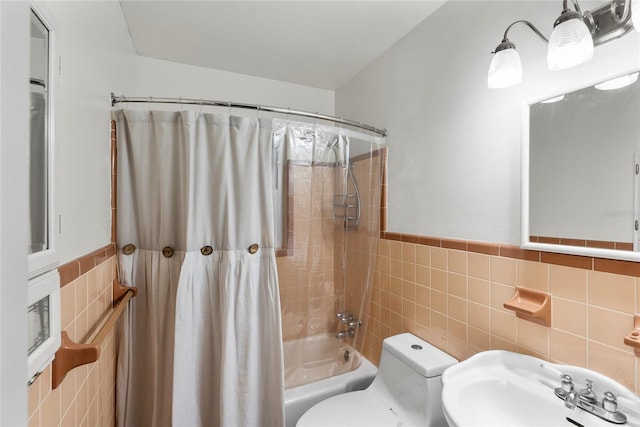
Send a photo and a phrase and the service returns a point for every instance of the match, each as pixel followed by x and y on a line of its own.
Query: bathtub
pixel 319 367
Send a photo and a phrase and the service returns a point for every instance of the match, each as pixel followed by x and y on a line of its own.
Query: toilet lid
pixel 358 408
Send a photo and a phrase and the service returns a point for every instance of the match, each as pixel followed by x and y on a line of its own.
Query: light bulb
pixel 505 69
pixel 570 44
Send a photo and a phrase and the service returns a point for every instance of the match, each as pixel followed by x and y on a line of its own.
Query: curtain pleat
pixel 201 343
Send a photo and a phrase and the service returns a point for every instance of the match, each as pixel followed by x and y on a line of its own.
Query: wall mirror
pixel 41 245
pixel 581 170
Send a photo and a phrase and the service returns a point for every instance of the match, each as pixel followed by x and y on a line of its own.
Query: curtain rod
pixel 117 99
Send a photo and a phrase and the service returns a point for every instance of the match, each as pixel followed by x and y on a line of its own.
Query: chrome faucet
pixel 587 395
pixel 352 323
pixel 587 400
pixel 348 333
pixel 566 392
pixel 570 399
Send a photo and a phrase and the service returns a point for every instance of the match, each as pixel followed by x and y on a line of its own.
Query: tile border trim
pixel 627 268
pixel 79 266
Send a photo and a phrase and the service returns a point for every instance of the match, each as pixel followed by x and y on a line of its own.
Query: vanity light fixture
pixel 575 33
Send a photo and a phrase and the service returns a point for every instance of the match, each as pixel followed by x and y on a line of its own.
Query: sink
pixel 502 388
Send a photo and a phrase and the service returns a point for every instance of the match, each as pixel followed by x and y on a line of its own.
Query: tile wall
pixel 453 299
pixel 361 242
pixel 312 288
pixel 86 396
pixel 451 294
pixel 306 273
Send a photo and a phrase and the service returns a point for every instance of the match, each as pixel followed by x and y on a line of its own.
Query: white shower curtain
pixel 201 343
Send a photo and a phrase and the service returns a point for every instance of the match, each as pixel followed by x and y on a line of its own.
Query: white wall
pixel 97 57
pixel 454 145
pixel 14 156
pixel 161 78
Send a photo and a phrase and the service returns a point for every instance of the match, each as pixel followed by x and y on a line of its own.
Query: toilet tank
pixel 409 379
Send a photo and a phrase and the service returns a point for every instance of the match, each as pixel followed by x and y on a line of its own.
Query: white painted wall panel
pixel 14 159
pixel 170 79
pixel 97 57
pixel 454 145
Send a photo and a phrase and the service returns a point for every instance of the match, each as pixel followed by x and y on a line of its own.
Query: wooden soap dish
pixel 534 306
pixel 633 339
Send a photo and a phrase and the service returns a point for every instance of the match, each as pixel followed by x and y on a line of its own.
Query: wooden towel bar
pixel 70 355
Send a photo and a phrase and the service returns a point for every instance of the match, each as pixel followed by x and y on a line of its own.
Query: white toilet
pixel 406 391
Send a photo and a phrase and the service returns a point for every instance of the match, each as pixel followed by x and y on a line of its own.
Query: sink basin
pixel 502 388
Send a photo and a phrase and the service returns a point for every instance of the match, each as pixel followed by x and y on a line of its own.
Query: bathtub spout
pixel 344 334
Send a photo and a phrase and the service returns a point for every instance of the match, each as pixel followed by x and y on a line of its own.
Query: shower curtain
pixel 201 343
pixel 328 266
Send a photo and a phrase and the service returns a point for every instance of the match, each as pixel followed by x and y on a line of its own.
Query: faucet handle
pixel 353 322
pixel 567 382
pixel 343 315
pixel 609 402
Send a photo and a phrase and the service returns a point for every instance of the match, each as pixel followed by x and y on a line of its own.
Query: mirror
pixel 581 165
pixel 41 237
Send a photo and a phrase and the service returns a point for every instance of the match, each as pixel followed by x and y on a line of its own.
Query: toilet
pixel 406 391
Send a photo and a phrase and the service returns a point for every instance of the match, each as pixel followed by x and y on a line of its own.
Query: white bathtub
pixel 316 369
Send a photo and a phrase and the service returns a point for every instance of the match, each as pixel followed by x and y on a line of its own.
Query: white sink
pixel 502 388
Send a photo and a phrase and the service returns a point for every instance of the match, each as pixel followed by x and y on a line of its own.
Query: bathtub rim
pixel 300 399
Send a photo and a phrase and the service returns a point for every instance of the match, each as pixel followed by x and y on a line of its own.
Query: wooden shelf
pixel 534 306
pixel 633 339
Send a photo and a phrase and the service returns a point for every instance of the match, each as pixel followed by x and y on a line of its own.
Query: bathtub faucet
pixel 350 321
pixel 348 333
pixel 342 315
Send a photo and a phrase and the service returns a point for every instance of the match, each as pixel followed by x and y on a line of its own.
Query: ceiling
pixel 321 44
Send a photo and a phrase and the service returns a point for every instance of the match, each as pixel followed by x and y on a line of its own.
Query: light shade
pixel 570 44
pixel 635 14
pixel 619 82
pixel 553 100
pixel 505 69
